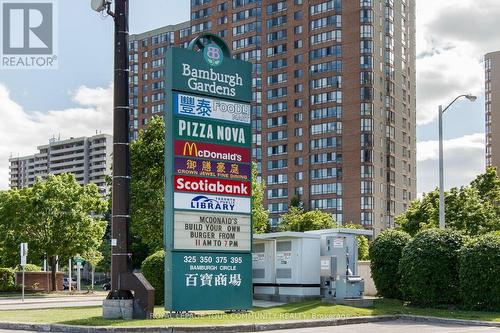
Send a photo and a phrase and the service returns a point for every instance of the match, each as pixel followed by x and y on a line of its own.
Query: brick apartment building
pixel 333 112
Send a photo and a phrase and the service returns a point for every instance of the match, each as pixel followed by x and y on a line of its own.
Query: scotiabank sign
pixel 212 185
pixel 211 151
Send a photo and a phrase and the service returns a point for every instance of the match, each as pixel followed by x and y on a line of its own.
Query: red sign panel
pixel 211 151
pixel 212 185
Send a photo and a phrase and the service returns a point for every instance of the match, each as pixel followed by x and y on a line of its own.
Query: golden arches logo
pixel 190 148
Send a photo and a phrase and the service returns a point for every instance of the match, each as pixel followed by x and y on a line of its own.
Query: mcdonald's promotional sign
pixel 207 218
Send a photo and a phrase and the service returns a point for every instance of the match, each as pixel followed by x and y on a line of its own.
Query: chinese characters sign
pixel 208 225
pixel 205 107
pixel 218 278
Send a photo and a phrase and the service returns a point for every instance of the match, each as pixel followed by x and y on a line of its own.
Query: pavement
pixel 396 326
pixel 60 301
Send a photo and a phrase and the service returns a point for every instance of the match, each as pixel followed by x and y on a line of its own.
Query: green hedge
pixel 385 253
pixel 153 268
pixel 429 268
pixel 29 268
pixel 7 279
pixel 480 273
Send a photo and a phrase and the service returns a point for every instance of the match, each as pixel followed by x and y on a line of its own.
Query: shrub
pixel 429 268
pixel 29 268
pixel 385 253
pixel 153 268
pixel 7 279
pixel 480 272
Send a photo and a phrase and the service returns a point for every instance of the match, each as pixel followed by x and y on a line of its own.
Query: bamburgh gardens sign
pixel 208 224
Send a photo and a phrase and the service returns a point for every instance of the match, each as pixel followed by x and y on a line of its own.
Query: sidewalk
pixel 45 302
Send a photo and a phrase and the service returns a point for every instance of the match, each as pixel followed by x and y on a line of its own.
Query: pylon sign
pixel 207 220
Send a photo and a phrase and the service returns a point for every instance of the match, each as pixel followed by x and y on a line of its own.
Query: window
pixel 326 6
pixel 278 135
pixel 366 31
pixel 333 66
pixel 332 81
pixel 332 188
pixel 330 127
pixel 327 97
pixel 277 164
pixel 328 36
pixel 331 142
pixel 334 50
pixel 333 20
pixel 325 173
pixel 298 146
pixel 276 21
pixel 276 93
pixel 276 7
pixel 335 111
pixel 277 107
pixel 277 179
pixel 297 30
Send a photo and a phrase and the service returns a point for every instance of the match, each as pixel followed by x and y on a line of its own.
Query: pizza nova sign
pixel 208 224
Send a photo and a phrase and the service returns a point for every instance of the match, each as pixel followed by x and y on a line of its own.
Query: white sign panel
pixel 211 108
pixel 211 203
pixel 338 243
pixel 211 231
pixel 24 253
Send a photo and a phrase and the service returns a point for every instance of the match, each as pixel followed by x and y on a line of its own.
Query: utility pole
pixel 120 256
pixel 123 280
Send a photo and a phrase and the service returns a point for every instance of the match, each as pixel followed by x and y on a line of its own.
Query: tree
pixel 488 187
pixel 298 220
pixel 93 257
pixel 363 252
pixel 56 217
pixel 147 186
pixel 465 210
pixel 260 215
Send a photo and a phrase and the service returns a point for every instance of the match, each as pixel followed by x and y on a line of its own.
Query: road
pixel 396 326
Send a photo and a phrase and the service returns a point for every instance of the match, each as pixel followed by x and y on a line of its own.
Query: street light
pixel 471 98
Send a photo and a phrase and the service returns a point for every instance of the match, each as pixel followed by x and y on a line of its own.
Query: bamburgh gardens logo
pixel 213 54
pixel 28 34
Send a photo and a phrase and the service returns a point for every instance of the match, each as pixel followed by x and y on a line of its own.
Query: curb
pixel 449 321
pixel 241 327
pixel 192 329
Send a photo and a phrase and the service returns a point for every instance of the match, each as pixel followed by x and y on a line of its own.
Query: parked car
pixel 66 283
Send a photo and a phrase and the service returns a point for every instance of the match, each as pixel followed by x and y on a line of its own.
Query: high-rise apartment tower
pixel 334 112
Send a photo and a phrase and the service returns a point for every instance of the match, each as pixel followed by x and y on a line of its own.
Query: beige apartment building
pixel 88 158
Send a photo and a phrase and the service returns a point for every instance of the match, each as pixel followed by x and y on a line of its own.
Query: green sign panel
pixel 230 79
pixel 210 281
pixel 189 128
pixel 208 264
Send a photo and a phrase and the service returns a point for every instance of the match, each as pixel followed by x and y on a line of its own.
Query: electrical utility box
pixel 263 266
pixel 339 263
pixel 296 266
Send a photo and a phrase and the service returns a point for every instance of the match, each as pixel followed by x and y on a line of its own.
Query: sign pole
pixel 24 257
pixel 69 275
pixel 23 285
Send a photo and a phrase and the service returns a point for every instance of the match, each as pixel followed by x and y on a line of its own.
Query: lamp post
pixel 441 169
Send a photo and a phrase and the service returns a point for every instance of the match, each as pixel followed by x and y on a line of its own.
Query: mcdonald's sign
pixel 211 151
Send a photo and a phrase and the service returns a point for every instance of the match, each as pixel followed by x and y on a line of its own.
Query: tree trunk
pixel 53 264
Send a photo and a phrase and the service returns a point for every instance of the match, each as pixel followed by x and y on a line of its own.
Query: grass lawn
pixel 294 311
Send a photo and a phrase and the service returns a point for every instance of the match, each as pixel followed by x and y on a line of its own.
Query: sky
pixel 76 99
